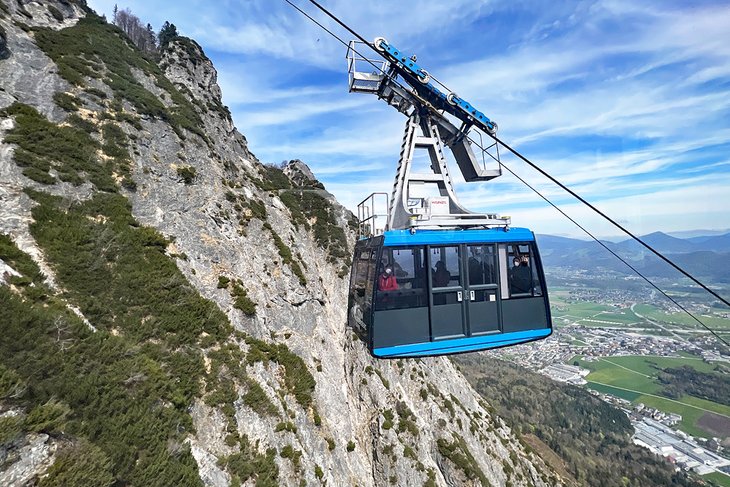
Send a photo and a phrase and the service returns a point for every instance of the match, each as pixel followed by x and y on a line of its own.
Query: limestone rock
pixel 24 463
pixel 371 423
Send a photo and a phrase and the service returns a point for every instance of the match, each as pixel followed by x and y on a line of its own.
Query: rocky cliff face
pixel 288 395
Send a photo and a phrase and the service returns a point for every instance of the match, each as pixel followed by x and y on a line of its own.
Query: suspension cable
pixel 555 181
pixel 549 177
pixel 602 244
pixel 611 220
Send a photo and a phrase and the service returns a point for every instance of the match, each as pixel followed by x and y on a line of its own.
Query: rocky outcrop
pixel 369 422
pixel 187 66
pixel 26 459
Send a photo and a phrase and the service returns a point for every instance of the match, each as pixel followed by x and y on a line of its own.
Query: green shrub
pixel 241 300
pixel 257 399
pixel 459 454
pixel 96 92
pixel 11 428
pixel 256 209
pixel 83 124
pixel 48 418
pixel 406 419
pixel 11 384
pixel 115 141
pixel 388 423
pixel 68 102
pixel 409 452
pixel 450 408
pixel 297 378
pixel 43 145
pixel 292 454
pixel 249 463
pixel 186 174
pixel 81 464
pixel 273 178
pixel 384 381
pixel 286 426
pixel 22 263
pixel 350 446
pixel 286 255
pixel 431 481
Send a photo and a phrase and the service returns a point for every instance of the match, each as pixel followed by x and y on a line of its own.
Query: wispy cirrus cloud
pixel 628 103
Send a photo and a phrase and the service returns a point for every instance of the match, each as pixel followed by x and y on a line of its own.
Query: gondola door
pixel 447 292
pixel 482 291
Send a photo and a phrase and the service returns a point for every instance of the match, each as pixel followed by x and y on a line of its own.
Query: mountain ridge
pixel 181 304
pixel 705 256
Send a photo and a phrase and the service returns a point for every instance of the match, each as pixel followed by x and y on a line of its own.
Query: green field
pixel 592 314
pixel 681 319
pixel 718 478
pixel 633 378
pixel 648 364
pixel 623 394
pixel 565 310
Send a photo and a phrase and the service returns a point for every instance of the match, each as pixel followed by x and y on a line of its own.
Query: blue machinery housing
pixel 439 292
pixel 419 79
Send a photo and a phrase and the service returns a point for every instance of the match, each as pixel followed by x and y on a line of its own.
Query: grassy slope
pixel 120 397
pixel 721 479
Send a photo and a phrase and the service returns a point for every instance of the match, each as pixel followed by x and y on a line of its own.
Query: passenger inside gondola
pixel 520 277
pixel 387 280
pixel 441 275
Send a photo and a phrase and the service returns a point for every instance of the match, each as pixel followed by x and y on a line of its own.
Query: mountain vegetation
pixel 171 308
pixel 680 381
pixel 117 393
pixel 587 438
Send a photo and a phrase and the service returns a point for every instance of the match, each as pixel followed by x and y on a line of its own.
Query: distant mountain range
pixel 705 256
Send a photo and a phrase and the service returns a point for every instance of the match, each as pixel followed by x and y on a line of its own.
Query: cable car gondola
pixel 457 291
pixel 421 98
pixel 437 278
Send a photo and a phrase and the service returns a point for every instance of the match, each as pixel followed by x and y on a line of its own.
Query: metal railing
pixel 372 219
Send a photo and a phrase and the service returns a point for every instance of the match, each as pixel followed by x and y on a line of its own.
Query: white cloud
pixel 626 102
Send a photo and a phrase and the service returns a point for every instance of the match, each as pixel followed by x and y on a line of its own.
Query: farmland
pixel 634 378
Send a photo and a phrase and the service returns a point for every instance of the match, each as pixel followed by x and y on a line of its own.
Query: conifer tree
pixel 167 33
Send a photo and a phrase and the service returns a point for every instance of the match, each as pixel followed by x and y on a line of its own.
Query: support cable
pixel 612 221
pixel 552 179
pixel 602 244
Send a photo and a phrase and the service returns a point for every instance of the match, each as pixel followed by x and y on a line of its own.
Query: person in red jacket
pixel 386 281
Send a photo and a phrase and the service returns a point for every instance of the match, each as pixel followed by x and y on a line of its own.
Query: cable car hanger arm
pixel 420 80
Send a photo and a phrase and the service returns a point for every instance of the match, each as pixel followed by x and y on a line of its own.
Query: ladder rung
pixel 425 177
pixel 425 141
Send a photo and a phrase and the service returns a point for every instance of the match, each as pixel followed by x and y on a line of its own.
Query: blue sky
pixel 626 102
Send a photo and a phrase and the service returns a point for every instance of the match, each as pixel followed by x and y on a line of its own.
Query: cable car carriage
pixel 430 277
pixel 456 291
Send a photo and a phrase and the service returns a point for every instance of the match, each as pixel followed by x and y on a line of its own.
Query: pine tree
pixel 167 33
